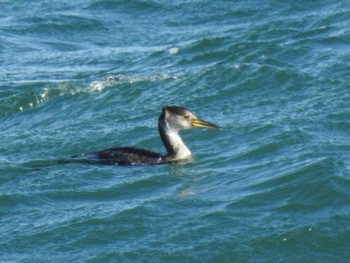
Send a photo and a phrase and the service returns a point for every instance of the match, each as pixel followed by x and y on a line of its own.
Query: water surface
pixel 80 76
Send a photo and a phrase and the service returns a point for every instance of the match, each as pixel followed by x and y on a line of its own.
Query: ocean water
pixel 79 76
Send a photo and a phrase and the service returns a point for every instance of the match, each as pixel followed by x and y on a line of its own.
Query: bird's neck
pixel 176 149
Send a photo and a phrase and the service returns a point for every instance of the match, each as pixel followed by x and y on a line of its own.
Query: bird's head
pixel 179 118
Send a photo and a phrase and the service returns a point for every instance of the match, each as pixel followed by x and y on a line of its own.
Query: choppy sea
pixel 80 76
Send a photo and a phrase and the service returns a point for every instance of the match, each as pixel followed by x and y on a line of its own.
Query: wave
pixel 113 80
pixel 39 93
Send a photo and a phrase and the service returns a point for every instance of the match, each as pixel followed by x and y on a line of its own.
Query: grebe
pixel 171 121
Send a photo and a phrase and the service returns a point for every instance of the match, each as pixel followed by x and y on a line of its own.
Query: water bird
pixel 172 120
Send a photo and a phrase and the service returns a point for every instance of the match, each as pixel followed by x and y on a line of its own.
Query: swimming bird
pixel 172 120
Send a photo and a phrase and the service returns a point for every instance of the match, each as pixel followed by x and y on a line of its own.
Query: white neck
pixel 179 148
pixel 176 149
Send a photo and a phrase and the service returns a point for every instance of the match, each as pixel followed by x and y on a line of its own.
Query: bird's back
pixel 123 156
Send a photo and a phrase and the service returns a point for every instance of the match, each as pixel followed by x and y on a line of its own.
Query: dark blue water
pixel 80 76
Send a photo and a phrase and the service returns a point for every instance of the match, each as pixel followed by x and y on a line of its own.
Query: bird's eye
pixel 186 117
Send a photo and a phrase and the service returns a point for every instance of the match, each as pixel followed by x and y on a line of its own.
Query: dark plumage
pixel 128 155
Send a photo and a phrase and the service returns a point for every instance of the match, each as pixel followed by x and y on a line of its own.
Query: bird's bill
pixel 198 123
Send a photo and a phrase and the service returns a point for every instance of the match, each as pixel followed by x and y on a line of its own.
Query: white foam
pixel 113 80
pixel 173 50
pixel 44 94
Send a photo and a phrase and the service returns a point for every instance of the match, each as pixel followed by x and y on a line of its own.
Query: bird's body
pixel 124 156
pixel 171 121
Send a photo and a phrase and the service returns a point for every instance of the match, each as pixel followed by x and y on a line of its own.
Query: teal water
pixel 79 76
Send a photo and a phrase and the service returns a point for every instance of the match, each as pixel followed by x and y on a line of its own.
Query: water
pixel 79 76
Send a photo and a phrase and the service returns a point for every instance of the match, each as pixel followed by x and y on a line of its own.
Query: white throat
pixel 180 149
pixel 176 149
